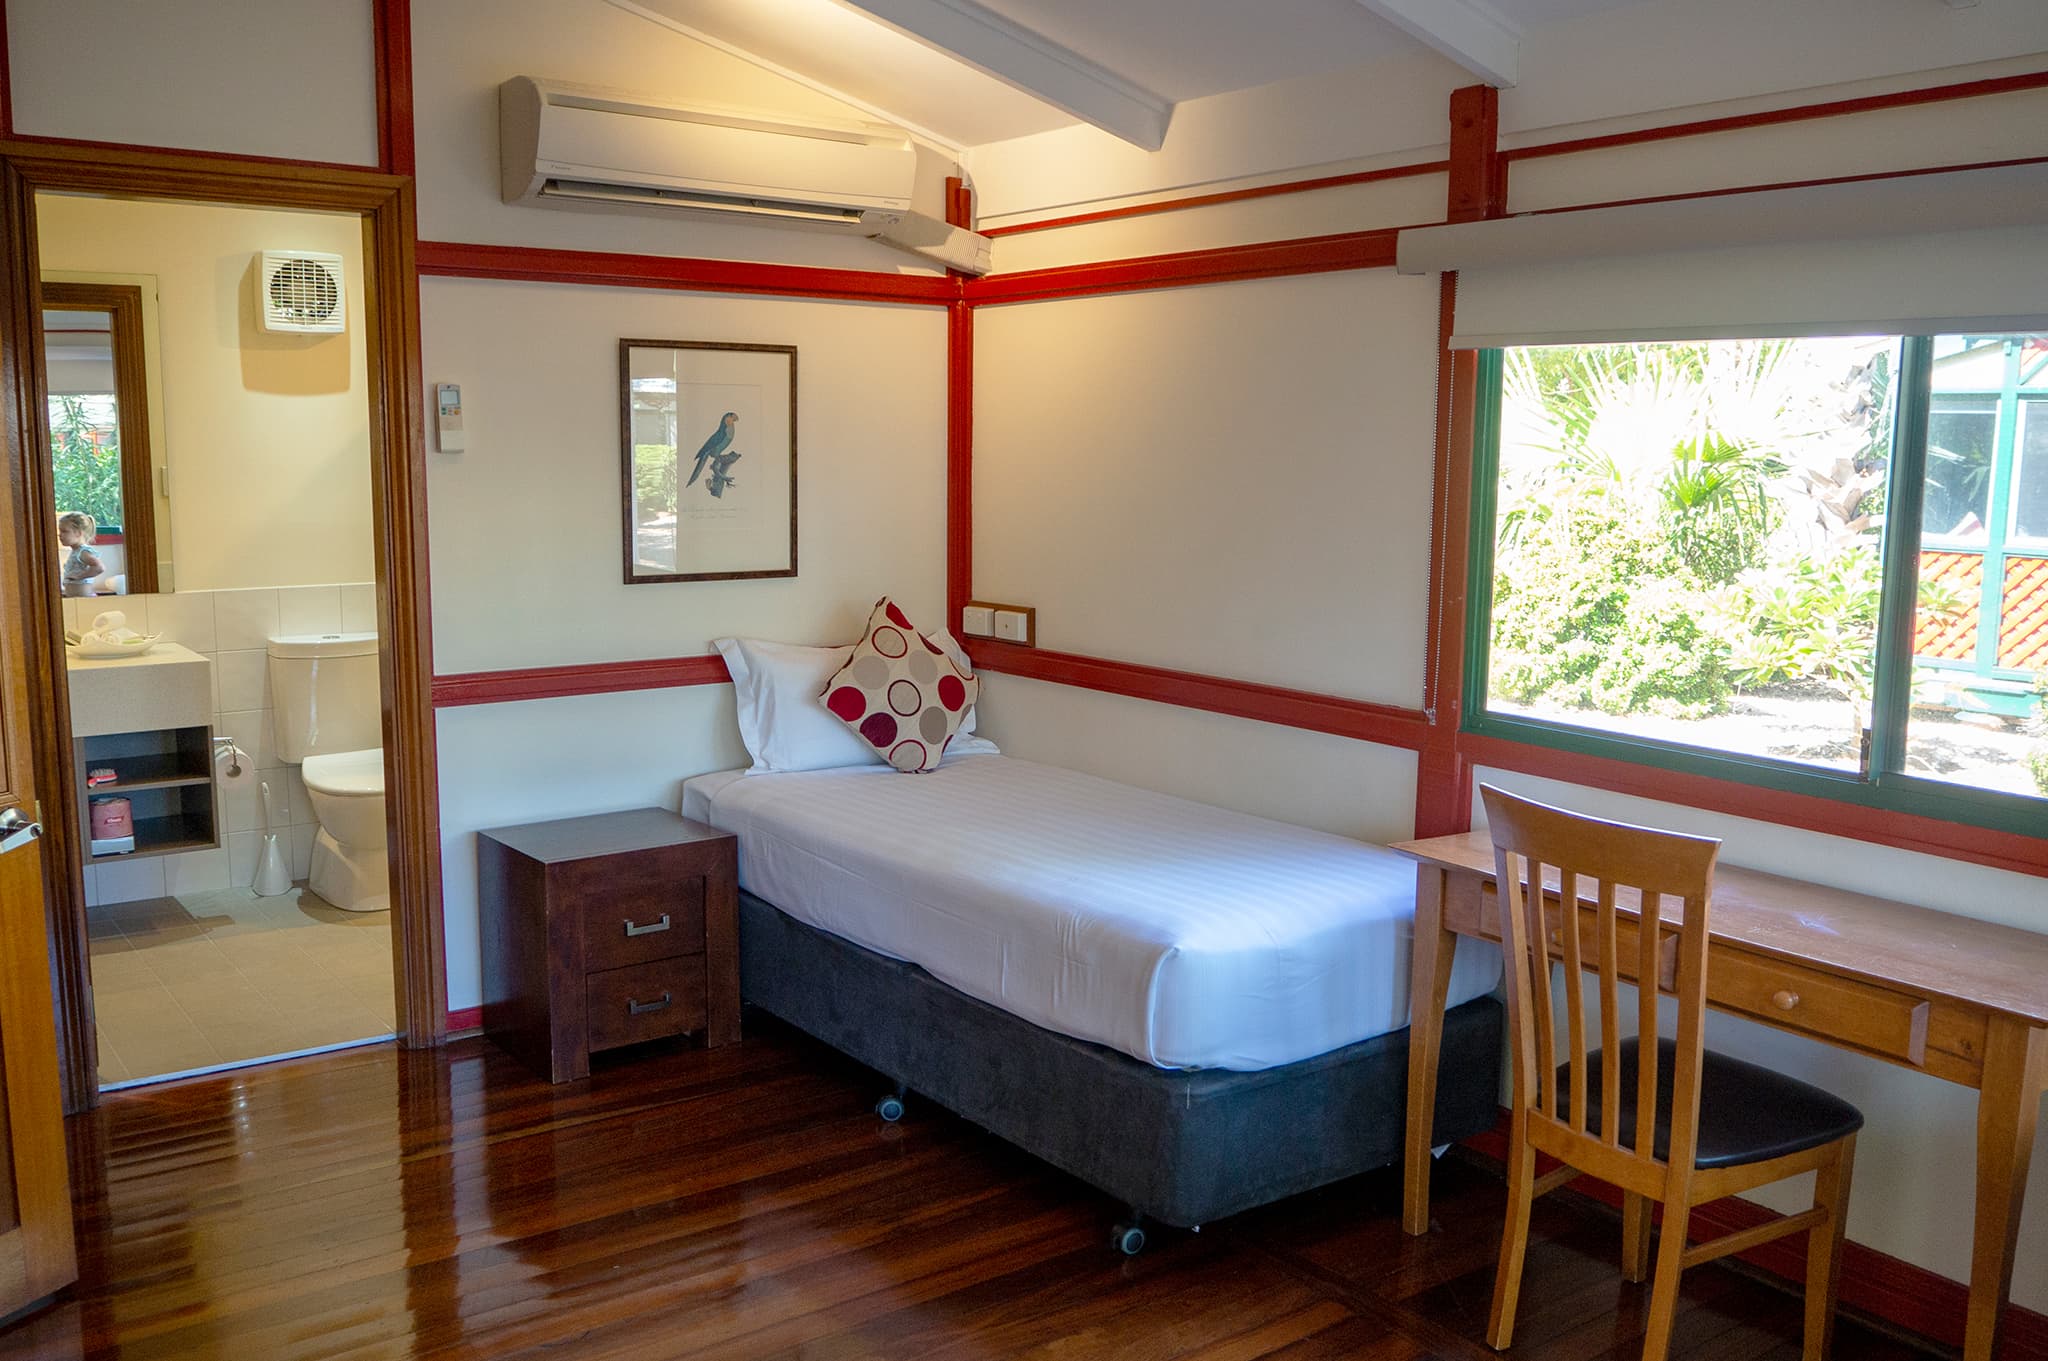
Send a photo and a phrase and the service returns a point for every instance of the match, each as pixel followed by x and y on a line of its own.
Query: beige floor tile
pixel 164 1043
pixel 337 1027
pixel 224 1001
pixel 183 960
pixel 116 944
pixel 123 971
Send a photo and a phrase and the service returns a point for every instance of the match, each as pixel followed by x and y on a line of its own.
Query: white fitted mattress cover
pixel 1183 934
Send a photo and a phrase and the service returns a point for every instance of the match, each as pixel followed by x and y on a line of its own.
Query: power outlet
pixel 978 621
pixel 1013 626
pixel 1005 623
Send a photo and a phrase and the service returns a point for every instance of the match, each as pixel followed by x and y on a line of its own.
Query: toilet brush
pixel 272 875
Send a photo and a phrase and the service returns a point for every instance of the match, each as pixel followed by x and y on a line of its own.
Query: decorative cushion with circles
pixel 900 692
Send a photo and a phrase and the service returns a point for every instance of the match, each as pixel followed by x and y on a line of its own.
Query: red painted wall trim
pixel 536 265
pixel 1808 812
pixel 588 678
pixel 394 86
pixel 1873 1283
pixel 1798 113
pixel 1174 205
pixel 1265 260
pixel 466 1021
pixel 959 460
pixel 1382 723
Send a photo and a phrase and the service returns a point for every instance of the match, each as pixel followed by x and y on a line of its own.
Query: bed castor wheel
pixel 1128 1239
pixel 890 1107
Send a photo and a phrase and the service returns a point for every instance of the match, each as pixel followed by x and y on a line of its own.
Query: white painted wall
pixel 1232 479
pixel 267 436
pixel 290 78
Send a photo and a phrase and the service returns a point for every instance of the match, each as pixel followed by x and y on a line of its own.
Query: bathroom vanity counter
pixel 169 686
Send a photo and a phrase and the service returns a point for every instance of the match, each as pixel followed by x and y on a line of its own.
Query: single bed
pixel 1196 1010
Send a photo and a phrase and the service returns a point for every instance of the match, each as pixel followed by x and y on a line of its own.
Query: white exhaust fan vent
pixel 301 292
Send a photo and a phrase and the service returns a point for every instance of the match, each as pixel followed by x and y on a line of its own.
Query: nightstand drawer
pixel 642 917
pixel 645 1002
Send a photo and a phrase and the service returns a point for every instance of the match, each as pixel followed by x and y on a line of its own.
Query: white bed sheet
pixel 1185 935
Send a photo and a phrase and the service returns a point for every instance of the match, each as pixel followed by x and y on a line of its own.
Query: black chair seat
pixel 1747 1114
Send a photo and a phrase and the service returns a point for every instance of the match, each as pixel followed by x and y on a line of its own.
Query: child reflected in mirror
pixel 75 530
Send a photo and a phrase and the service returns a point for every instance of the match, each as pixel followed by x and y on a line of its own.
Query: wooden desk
pixel 1963 1000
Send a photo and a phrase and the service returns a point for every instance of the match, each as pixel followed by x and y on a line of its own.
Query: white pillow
pixel 784 723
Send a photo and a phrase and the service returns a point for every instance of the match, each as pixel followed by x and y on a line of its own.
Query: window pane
pixel 2030 484
pixel 1981 641
pixel 1687 544
pixel 1960 438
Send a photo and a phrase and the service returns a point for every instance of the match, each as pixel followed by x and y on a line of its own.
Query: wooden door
pixel 36 1251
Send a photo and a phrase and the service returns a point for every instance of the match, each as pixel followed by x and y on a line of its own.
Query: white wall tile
pixel 243 848
pixel 244 619
pixel 196 871
pixel 359 608
pixel 302 851
pixel 92 885
pixel 187 619
pixel 251 730
pixel 244 679
pixel 241 805
pixel 301 804
pixel 309 609
pixel 125 881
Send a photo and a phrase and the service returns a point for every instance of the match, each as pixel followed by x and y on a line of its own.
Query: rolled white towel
pixel 109 621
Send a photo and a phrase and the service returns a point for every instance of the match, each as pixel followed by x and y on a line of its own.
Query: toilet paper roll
pixel 236 773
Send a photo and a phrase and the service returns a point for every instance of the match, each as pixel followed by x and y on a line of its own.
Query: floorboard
pixel 744 1204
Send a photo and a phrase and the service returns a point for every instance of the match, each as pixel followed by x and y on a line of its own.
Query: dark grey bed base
pixel 1185 1147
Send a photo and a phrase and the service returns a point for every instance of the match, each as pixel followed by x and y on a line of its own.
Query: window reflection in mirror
pixel 100 464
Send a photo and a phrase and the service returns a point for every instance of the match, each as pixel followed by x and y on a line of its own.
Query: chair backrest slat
pixel 1606 856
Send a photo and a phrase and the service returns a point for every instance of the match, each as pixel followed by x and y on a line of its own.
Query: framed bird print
pixel 708 437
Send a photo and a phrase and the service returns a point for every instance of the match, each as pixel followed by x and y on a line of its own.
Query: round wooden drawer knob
pixel 1785 999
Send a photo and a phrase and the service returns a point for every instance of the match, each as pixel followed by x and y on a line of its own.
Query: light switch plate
pixel 978 621
pixel 1012 626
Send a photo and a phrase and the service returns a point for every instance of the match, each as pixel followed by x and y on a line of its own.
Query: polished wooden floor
pixel 744 1203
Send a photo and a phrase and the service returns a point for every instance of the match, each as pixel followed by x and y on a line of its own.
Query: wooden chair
pixel 1666 1122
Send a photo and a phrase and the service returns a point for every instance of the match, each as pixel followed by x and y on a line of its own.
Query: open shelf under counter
pixel 167 777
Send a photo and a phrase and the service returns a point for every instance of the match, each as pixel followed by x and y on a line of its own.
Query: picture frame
pixel 708 441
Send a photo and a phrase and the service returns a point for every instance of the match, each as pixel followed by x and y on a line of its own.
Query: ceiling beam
pixel 1469 34
pixel 1025 61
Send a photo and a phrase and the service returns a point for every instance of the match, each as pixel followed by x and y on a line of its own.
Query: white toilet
pixel 328 720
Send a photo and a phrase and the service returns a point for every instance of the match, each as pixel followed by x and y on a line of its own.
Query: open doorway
pixel 218 580
pixel 201 724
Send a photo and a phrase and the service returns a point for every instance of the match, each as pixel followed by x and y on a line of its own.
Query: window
pixel 1817 563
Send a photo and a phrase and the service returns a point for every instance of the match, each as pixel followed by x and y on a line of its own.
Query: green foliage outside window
pixel 654 479
pixel 85 456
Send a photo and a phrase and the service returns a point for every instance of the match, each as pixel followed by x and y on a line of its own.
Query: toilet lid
pixel 345 772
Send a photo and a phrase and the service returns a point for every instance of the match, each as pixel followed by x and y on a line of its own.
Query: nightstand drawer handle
pixel 633 928
pixel 634 1008
pixel 1785 999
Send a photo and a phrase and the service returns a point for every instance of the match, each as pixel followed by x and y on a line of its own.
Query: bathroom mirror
pixel 98 404
pixel 708 436
pixel 214 437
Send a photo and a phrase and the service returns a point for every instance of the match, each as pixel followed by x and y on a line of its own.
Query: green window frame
pixel 1883 782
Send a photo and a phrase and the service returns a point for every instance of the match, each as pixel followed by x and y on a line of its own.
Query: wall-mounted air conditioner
pixel 564 145
pixel 300 291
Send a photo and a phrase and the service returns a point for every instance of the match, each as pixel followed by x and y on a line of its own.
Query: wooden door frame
pixel 398 490
pixel 123 305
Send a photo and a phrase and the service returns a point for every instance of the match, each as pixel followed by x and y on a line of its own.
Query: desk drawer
pixel 641 918
pixel 645 1002
pixel 1839 1010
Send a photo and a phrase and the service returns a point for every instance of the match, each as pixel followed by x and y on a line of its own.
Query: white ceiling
pixel 1177 49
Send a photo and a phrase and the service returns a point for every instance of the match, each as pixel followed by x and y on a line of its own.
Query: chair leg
pixel 1824 1250
pixel 1514 1240
pixel 1664 1290
pixel 1635 1237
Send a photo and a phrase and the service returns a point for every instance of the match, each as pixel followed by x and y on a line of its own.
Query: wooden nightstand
pixel 607 930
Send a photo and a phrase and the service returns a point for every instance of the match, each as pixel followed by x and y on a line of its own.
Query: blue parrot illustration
pixel 721 474
pixel 714 446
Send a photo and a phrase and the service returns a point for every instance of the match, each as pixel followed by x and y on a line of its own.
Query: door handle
pixel 16 829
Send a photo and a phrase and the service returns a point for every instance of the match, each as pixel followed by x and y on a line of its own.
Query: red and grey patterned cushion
pixel 900 692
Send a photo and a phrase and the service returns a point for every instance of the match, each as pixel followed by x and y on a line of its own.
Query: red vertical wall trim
pixel 1478 189
pixel 393 20
pixel 959 428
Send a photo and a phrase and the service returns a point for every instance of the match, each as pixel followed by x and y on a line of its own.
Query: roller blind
pixel 1957 251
